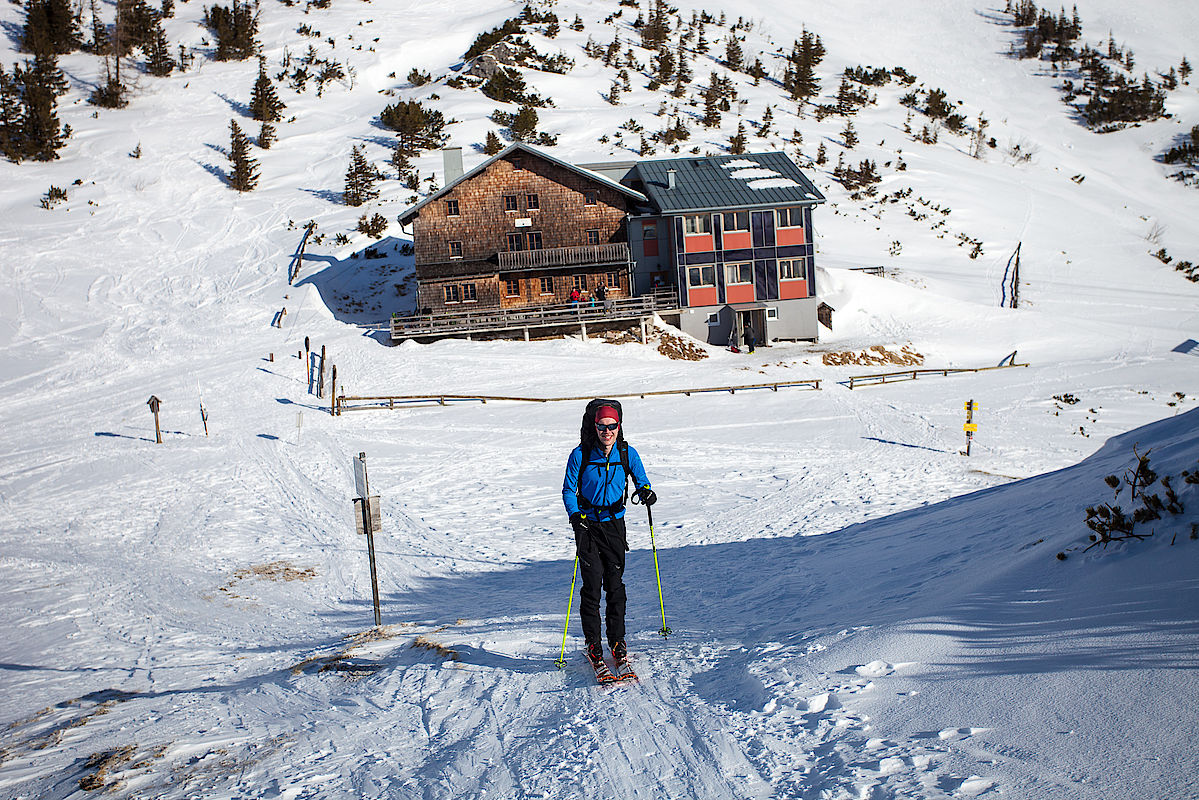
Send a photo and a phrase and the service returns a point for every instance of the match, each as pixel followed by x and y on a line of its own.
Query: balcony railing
pixel 614 253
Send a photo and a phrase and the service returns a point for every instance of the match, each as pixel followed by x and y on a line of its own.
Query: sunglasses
pixel 599 426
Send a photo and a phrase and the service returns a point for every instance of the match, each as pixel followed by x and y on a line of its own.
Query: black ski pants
pixel 601 549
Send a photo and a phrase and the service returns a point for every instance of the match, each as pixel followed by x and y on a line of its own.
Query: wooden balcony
pixel 525 320
pixel 589 255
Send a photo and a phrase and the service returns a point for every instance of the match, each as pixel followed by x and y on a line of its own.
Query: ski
pixel 624 671
pixel 603 675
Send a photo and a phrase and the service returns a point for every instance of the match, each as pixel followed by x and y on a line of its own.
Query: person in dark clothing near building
pixel 750 339
pixel 594 492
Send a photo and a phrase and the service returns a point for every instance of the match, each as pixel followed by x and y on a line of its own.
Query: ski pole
pixel 561 662
pixel 665 630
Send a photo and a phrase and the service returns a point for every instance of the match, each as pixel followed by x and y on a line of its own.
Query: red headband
pixel 607 411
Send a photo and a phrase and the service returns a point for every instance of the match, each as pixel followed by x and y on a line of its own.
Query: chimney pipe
pixel 451 160
pixel 670 179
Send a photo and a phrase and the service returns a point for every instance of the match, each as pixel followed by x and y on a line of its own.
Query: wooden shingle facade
pixel 521 229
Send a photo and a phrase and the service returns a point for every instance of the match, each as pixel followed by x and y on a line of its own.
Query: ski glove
pixel 647 496
pixel 578 522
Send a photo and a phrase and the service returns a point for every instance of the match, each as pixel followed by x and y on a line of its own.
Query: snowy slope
pixel 858 610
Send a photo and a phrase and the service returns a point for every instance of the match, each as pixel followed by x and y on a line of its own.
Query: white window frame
pixel 778 222
pixel 734 214
pixel 739 266
pixel 772 312
pixel 802 261
pixel 701 269
pixel 697 224
pixel 713 318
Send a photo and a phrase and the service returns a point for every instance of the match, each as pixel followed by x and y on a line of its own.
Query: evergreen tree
pixel 360 178
pixel 236 29
pixel 757 71
pixel 712 100
pixel 112 93
pixel 50 27
pixel 524 124
pixel 665 70
pixel 493 144
pixel 737 142
pixel 265 105
pixel 767 120
pixel 41 85
pixel 849 135
pixel 158 53
pixel 733 56
pixel 417 127
pixel 266 136
pixel 101 45
pixel 12 118
pixel 243 173
pixel 656 29
pixel 800 76
pixel 1184 70
pixel 822 154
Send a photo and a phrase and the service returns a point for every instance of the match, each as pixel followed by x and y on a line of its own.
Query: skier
pixel 594 491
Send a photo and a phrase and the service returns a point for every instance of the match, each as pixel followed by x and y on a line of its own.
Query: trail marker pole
pixel 368 520
pixel 204 417
pixel 971 426
pixel 154 403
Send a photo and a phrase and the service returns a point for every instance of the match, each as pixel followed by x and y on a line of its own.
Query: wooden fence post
pixel 320 375
pixel 154 403
pixel 333 393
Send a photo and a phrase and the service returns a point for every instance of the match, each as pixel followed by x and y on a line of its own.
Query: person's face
pixel 606 437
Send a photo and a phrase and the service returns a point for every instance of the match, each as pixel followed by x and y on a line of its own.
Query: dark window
pixel 701 276
pixel 452 295
pixel 593 237
pixel 590 197
pixel 516 241
pixel 533 239
pixel 451 208
pixel 455 249
pixel 613 280
pixel 468 293
pixel 512 287
pixel 511 203
pixel 547 285
pixel 736 221
pixel 517 164
pixel 649 230
pixel 531 202
pixel 790 217
pixel 579 282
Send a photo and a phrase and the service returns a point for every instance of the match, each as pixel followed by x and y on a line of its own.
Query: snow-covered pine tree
pixel 243 172
pixel 101 44
pixel 265 105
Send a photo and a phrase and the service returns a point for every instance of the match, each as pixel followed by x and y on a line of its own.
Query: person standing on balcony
pixel 575 295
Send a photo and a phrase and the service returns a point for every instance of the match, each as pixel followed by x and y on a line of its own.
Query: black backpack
pixel 588 441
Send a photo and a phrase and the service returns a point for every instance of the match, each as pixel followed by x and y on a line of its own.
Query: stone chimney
pixel 451 159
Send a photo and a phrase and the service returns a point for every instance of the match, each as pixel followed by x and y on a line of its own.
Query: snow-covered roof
pixel 709 183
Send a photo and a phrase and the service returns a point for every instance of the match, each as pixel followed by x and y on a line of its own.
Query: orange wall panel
pixel 740 293
pixel 702 296
pixel 793 290
pixel 786 236
pixel 737 240
pixel 700 243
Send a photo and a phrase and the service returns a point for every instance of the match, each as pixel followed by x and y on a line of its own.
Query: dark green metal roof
pixel 711 183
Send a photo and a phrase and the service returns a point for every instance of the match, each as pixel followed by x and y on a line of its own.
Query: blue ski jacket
pixel 601 490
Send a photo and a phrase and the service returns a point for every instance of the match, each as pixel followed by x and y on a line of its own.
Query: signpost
pixel 971 426
pixel 368 519
pixel 154 403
